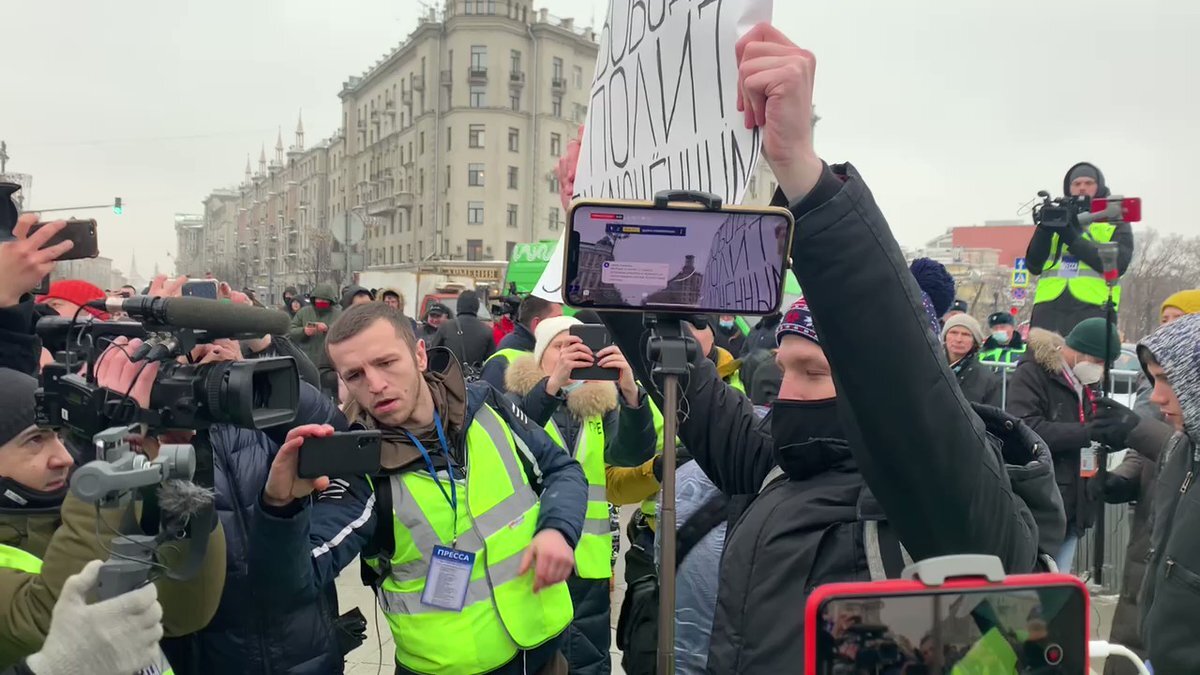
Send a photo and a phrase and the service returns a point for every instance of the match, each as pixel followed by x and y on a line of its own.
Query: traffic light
pixel 117 208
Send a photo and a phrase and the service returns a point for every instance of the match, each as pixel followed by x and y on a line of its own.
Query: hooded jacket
pixel 353 290
pixel 465 335
pixel 1171 595
pixel 587 644
pixel 994 493
pixel 314 345
pixel 1040 394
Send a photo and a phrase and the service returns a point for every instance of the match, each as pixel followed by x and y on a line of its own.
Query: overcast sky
pixel 955 113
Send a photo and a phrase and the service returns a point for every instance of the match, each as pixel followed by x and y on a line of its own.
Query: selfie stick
pixel 1108 260
pixel 671 350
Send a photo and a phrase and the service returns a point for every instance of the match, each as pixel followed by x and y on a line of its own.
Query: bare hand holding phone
pixel 26 260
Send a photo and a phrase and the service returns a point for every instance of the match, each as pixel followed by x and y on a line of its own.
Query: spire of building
pixel 300 131
pixel 248 173
pixel 262 161
pixel 279 147
pixel 135 279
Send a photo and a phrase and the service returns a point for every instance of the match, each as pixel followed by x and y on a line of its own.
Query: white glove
pixel 117 636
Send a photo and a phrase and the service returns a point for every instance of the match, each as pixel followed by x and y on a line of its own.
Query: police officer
pixel 1004 344
pixel 1071 286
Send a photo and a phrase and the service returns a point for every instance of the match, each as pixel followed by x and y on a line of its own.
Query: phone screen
pixel 646 259
pixel 205 288
pixel 1002 631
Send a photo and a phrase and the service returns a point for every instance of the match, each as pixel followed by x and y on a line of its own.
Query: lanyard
pixel 452 495
pixel 1087 399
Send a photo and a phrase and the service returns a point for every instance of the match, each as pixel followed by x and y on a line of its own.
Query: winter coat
pixel 1039 393
pixel 762 336
pixel 978 383
pixel 1133 481
pixel 250 634
pixel 521 339
pixel 587 644
pixel 314 345
pixel 29 598
pixel 20 347
pixel 282 345
pixel 1170 601
pixel 469 338
pixel 995 492
pixel 351 291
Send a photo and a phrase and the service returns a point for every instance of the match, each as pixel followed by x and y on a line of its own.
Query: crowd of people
pixel 809 455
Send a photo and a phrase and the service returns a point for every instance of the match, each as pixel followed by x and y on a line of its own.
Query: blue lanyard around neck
pixel 452 495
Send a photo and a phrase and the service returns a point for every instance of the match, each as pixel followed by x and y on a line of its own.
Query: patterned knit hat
pixel 78 292
pixel 797 321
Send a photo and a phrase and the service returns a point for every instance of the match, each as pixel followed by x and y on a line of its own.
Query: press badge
pixel 1069 268
pixel 448 578
pixel 1088 466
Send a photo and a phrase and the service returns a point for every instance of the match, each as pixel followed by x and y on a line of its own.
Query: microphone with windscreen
pixel 216 318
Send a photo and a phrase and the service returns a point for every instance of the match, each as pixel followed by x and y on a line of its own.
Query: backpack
pixel 637 625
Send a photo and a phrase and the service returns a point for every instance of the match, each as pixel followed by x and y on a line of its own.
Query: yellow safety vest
pixel 593 554
pixel 1086 284
pixel 507 354
pixel 496 519
pixel 22 561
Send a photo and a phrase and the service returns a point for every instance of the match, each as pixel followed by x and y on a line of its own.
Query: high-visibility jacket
pixel 1086 284
pixel 506 354
pixel 1003 354
pixel 593 554
pixel 496 519
pixel 22 561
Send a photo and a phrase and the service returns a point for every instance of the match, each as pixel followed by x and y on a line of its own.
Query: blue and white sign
pixel 1019 264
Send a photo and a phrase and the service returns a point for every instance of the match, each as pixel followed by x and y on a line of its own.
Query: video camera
pixel 1059 214
pixel 253 394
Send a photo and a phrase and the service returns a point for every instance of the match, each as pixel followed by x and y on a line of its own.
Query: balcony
pixel 446 78
pixel 362 125
pixel 404 200
pixel 384 206
pixel 477 75
pixel 516 78
pixel 406 97
pixel 418 83
pixel 558 85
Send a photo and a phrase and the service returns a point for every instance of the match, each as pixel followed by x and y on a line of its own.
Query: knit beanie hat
pixel 964 321
pixel 797 321
pixel 547 330
pixel 78 292
pixel 934 281
pixel 17 411
pixel 1187 302
pixel 1089 338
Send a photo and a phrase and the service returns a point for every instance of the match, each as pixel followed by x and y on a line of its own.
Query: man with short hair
pixel 532 311
pixel 1005 344
pixel 468 528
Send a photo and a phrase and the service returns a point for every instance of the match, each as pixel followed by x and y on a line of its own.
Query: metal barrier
pixel 1122 382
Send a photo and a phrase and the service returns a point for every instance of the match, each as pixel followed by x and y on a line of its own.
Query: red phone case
pixel 898 587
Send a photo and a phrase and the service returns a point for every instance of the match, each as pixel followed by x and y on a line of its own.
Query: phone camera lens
pixel 1054 655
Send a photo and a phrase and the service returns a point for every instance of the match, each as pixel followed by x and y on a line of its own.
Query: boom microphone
pixel 218 319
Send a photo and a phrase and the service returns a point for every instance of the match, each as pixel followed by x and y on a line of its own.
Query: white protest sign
pixel 663 109
pixel 742 269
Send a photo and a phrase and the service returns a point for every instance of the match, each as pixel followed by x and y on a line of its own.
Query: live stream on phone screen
pixel 704 261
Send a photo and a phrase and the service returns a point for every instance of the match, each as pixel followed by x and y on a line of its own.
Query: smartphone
pixel 1131 208
pixel 201 288
pixel 1035 623
pixel 595 338
pixel 635 257
pixel 346 453
pixel 81 232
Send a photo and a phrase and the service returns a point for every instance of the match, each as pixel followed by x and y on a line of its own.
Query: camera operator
pixel 271 346
pixel 1070 286
pixel 840 447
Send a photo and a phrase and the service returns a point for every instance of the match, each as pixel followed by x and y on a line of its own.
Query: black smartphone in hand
pixel 345 453
pixel 595 337
pixel 82 233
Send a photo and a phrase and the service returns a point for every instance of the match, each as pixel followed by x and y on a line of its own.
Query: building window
pixel 555 145
pixel 512 178
pixel 514 139
pixel 475 175
pixel 449 139
pixel 553 219
pixel 475 136
pixel 514 101
pixel 421 143
pixel 408 252
pixel 474 213
pixel 556 106
pixel 580 113
pixel 478 57
pixel 447 177
pixel 478 96
pixel 555 187
pixel 511 218
pixel 577 73
pixel 420 216
pixel 421 182
pixel 558 68
pixel 474 249
pixel 515 59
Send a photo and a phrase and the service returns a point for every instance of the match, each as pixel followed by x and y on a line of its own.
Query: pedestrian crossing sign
pixel 1019 264
pixel 1020 279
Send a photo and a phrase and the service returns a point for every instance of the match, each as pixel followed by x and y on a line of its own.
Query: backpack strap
pixel 886 557
pixel 705 519
pixel 383 542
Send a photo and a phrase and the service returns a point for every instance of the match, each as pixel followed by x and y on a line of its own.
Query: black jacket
pixel 1039 394
pixel 808 527
pixel 470 339
pixel 20 347
pixel 762 336
pixel 282 345
pixel 978 384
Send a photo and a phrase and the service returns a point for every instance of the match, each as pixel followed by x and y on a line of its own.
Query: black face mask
pixel 16 498
pixel 808 435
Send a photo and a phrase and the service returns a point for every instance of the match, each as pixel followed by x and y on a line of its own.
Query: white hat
pixel 964 321
pixel 547 330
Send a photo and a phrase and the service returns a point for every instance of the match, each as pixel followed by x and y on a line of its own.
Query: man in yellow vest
pixel 533 311
pixel 588 418
pixel 468 529
pixel 1070 284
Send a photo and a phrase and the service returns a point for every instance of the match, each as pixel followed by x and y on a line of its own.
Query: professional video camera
pixel 1059 214
pixel 253 394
